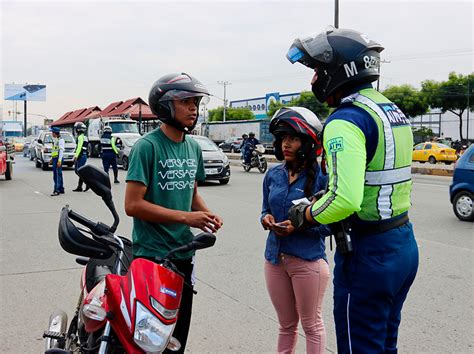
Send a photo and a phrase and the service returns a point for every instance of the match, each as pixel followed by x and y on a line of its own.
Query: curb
pixel 434 170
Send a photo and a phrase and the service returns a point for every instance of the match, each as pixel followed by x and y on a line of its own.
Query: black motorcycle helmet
pixel 342 58
pixel 175 87
pixel 298 121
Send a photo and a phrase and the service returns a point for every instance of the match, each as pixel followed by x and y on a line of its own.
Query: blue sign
pixel 25 92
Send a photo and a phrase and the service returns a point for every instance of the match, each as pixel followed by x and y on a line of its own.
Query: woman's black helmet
pixel 175 87
pixel 298 121
pixel 343 58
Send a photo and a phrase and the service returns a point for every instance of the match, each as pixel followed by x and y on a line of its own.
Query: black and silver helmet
pixel 80 127
pixel 175 87
pixel 342 58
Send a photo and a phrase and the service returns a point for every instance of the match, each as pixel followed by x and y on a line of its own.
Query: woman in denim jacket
pixel 296 268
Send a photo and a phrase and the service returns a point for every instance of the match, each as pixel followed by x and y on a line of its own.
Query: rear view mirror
pixel 204 240
pixel 97 180
pixel 40 141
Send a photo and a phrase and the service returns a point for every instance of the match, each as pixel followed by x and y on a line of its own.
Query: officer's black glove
pixel 318 195
pixel 296 214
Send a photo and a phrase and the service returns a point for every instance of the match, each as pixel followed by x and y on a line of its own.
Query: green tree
pixel 411 101
pixel 452 95
pixel 422 134
pixel 217 114
pixel 307 100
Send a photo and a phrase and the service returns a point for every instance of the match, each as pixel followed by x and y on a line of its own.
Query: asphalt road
pixel 232 311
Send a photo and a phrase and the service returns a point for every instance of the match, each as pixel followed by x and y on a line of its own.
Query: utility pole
pixel 468 94
pixel 224 83
pixel 336 13
pixel 381 61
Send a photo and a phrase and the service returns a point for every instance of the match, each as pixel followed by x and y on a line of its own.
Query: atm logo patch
pixel 336 144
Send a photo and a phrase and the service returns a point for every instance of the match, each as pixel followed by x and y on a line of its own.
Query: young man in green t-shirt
pixel 161 194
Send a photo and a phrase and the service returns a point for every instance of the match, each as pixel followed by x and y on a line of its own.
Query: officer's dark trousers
pixel 57 176
pixel 109 159
pixel 81 161
pixel 370 287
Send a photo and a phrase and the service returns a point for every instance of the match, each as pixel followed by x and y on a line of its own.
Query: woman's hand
pixel 267 221
pixel 283 228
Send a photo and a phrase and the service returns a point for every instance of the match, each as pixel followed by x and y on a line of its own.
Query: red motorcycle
pixel 124 306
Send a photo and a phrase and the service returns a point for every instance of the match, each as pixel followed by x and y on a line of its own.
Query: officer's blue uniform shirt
pixel 278 195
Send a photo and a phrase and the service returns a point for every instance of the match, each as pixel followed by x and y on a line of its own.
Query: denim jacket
pixel 278 194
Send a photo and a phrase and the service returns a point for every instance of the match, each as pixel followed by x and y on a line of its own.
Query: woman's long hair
pixel 309 164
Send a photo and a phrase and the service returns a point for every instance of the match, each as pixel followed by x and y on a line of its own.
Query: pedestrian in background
pixel 368 144
pixel 80 155
pixel 109 152
pixel 296 267
pixel 242 146
pixel 57 153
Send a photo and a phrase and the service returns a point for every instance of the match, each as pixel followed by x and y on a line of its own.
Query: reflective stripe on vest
pixel 380 178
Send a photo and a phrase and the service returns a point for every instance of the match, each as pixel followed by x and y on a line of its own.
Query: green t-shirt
pixel 169 170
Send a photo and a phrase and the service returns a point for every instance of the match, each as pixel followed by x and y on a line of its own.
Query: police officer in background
pixel 57 153
pixel 80 155
pixel 368 144
pixel 109 152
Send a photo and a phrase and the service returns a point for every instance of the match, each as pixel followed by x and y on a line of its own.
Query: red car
pixel 6 160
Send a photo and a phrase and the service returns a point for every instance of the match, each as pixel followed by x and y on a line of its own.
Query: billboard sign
pixel 25 92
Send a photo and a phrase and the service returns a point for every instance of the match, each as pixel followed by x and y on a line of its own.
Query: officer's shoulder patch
pixel 336 144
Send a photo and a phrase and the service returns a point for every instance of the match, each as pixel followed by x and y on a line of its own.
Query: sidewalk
pixel 439 169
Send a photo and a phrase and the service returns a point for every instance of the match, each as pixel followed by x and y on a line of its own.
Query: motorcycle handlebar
pixel 97 228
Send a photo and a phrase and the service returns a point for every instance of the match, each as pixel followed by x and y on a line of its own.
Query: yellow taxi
pixel 433 153
pixel 18 143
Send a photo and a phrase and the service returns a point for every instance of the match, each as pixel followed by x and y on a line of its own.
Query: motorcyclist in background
pixel 250 143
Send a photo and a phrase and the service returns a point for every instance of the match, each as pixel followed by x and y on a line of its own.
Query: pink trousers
pixel 296 288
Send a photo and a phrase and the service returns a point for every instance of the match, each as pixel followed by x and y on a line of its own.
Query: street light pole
pixel 224 83
pixel 468 94
pixel 336 13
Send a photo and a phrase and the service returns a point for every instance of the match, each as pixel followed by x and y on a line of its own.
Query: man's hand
pixel 74 159
pixel 59 163
pixel 297 215
pixel 204 219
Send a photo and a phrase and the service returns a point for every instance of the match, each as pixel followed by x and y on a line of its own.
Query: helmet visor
pixel 180 95
pixel 318 48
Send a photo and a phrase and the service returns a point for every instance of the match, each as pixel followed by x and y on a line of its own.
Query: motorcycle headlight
pixel 150 333
pixel 254 153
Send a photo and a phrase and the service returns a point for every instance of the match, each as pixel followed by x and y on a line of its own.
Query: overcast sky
pixel 95 53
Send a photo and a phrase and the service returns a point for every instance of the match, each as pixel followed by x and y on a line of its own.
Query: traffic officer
pixel 109 152
pixel 80 155
pixel 368 144
pixel 57 153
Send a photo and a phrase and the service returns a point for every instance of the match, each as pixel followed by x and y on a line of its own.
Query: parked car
pixel 32 148
pixel 231 144
pixel 126 141
pixel 26 145
pixel 461 191
pixel 433 153
pixel 44 145
pixel 18 143
pixel 6 159
pixel 216 163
